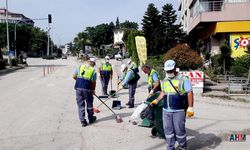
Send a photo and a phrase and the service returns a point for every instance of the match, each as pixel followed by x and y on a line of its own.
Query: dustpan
pixel 116 105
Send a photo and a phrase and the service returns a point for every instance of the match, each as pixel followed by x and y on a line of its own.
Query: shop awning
pixel 235 26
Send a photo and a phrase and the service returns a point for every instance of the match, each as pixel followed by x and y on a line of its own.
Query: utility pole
pixel 49 22
pixel 7 28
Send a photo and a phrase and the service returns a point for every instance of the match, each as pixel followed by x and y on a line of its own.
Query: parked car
pixel 118 56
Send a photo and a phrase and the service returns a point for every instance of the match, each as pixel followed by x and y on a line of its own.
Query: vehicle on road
pixel 118 56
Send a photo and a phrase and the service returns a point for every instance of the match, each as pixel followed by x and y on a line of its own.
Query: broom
pixel 117 117
pixel 96 110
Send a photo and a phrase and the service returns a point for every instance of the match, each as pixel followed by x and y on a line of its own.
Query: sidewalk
pixel 13 68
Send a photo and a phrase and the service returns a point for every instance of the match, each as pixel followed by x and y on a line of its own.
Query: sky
pixel 70 17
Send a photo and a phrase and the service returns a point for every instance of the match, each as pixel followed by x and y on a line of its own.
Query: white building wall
pixel 118 35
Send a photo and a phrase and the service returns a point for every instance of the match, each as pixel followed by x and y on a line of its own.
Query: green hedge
pixel 48 57
pixel 240 67
pixel 2 64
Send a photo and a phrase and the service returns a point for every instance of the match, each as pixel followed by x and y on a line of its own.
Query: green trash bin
pixel 157 124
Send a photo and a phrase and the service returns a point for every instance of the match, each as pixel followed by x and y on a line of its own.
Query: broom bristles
pixel 118 119
pixel 96 110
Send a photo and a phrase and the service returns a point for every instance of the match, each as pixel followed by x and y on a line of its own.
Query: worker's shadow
pixel 202 140
pixel 197 141
pixel 112 117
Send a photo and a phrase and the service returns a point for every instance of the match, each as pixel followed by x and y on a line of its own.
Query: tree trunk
pixel 248 78
pixel 1 55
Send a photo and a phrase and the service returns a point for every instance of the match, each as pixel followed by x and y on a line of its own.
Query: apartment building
pixel 214 21
pixel 14 18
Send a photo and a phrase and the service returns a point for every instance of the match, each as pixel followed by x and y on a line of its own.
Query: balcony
pixel 218 11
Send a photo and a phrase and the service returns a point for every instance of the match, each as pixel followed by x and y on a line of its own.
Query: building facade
pixel 214 21
pixel 14 18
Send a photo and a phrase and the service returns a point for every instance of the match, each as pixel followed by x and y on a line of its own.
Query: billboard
pixel 239 42
pixel 141 47
pixel 197 80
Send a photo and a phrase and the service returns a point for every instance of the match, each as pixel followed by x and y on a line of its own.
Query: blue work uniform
pixel 134 67
pixel 86 75
pixel 174 106
pixel 105 72
pixel 128 79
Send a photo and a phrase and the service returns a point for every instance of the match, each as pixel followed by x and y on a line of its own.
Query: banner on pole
pixel 141 47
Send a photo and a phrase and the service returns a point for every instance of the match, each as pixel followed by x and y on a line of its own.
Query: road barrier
pixel 49 68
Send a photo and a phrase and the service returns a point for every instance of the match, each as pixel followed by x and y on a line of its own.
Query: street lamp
pixel 7 28
pixel 15 35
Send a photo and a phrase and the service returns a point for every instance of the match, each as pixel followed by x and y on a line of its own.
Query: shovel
pixel 117 117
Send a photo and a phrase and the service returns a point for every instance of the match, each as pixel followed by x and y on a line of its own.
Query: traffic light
pixel 49 18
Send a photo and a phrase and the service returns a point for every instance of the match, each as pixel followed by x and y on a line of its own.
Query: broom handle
pixel 108 98
pixel 105 104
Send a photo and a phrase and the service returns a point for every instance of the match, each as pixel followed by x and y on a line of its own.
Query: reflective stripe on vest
pixel 133 74
pixel 86 72
pixel 150 77
pixel 171 97
pixel 134 65
pixel 106 67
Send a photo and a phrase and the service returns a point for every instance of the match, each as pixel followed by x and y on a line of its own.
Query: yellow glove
pixel 120 87
pixel 190 112
pixel 151 93
pixel 154 102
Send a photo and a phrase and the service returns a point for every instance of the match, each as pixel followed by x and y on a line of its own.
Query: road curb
pixel 9 70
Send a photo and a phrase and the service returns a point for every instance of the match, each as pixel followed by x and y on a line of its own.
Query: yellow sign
pixel 239 43
pixel 141 47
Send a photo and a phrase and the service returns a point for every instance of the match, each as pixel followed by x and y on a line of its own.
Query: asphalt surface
pixel 39 112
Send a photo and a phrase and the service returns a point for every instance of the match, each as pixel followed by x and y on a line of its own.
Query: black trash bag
pixel 148 113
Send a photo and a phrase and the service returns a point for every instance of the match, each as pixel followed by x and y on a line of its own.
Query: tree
pixel 152 27
pixel 173 32
pixel 39 42
pixel 117 23
pixel 248 54
pixel 129 25
pixel 131 46
pixel 80 41
pixel 101 34
pixel 184 56
pixel 226 56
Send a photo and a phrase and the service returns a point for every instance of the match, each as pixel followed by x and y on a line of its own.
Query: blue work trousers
pixel 131 91
pixel 83 95
pixel 174 129
pixel 105 83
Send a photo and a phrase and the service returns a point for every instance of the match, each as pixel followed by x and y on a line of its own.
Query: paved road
pixel 39 113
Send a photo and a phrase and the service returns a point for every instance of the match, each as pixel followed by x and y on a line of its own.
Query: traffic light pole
pixel 48 45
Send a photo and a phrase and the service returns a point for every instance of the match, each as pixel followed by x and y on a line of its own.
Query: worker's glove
pixel 111 77
pixel 151 93
pixel 120 87
pixel 154 102
pixel 190 112
pixel 93 92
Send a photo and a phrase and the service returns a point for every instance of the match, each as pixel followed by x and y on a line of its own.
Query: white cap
pixel 107 57
pixel 92 59
pixel 123 66
pixel 169 65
